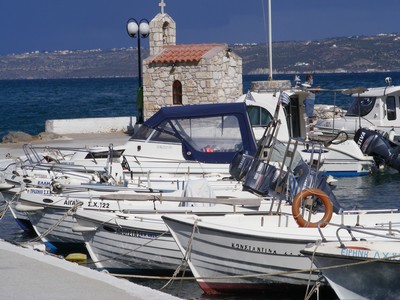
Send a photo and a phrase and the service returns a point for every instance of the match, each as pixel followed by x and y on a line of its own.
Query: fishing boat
pixel 238 253
pixel 50 213
pixel 193 139
pixel 137 240
pixel 359 269
pixel 242 253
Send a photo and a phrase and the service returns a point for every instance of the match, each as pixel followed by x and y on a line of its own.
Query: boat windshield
pixel 259 116
pixel 211 134
pixel 156 135
pixel 361 106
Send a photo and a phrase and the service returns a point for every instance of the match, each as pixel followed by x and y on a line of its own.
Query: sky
pixel 49 25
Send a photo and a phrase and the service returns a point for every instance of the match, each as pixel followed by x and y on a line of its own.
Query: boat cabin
pixel 262 107
pixel 209 133
pixel 375 108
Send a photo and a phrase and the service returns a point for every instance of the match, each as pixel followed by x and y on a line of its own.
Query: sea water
pixel 27 104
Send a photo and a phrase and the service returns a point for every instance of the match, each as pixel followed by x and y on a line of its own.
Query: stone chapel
pixel 186 73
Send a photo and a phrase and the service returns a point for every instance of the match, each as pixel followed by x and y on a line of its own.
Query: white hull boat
pixel 374 108
pixel 236 253
pixel 339 157
pixel 50 214
pixel 137 242
pixel 359 269
pixel 193 139
pixel 122 243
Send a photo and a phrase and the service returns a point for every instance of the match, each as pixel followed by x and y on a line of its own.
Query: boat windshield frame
pixel 210 133
pixel 361 106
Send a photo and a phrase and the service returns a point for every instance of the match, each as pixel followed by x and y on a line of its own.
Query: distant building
pixel 187 73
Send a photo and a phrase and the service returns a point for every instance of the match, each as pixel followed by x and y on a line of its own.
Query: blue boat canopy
pixel 209 133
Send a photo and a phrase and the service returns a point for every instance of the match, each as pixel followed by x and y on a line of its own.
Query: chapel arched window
pixel 177 92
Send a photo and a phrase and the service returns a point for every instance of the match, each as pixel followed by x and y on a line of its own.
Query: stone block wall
pixel 216 78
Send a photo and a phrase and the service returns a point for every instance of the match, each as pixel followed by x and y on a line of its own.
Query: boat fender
pixel 76 257
pixel 302 195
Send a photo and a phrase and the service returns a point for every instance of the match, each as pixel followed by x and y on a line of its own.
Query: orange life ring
pixel 296 204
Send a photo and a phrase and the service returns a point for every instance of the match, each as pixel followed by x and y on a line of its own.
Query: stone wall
pixel 270 86
pixel 216 78
pixel 162 32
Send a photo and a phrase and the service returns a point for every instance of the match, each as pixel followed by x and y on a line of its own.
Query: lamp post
pixel 142 30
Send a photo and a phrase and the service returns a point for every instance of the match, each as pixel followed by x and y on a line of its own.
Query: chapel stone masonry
pixel 187 73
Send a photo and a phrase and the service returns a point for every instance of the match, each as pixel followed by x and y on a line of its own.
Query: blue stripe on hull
pixel 346 173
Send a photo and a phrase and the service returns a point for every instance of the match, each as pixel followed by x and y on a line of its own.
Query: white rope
pixel 264 274
pixel 316 284
pixel 127 252
pixel 63 217
pixel 8 203
pixel 184 261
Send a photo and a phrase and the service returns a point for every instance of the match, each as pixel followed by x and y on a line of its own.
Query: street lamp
pixel 142 30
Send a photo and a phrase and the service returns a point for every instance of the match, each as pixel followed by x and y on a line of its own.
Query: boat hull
pixel 359 269
pixel 250 252
pixel 142 247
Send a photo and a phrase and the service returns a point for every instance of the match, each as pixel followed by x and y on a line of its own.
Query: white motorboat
pixel 226 196
pixel 51 214
pixel 340 156
pixel 236 253
pixel 138 240
pixel 176 141
pixel 359 269
pixel 375 108
pixel 40 181
pixel 179 142
pixel 191 139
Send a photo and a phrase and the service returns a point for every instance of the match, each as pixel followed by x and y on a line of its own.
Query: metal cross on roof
pixel 162 4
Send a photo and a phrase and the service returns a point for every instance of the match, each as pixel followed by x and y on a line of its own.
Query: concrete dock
pixel 29 274
pixel 69 140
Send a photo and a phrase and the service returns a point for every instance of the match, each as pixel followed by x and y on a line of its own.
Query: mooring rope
pixel 127 252
pixel 55 225
pixel 316 284
pixel 262 274
pixel 8 203
pixel 184 261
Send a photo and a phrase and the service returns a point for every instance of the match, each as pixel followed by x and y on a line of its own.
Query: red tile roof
pixel 183 53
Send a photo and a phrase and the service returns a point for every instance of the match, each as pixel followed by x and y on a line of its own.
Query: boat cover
pixel 209 133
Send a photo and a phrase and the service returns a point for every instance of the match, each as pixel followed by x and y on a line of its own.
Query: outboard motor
pixel 240 165
pixel 379 146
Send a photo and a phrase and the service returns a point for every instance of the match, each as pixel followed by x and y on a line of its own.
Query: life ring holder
pixel 296 204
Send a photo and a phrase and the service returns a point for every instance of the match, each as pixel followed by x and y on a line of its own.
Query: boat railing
pixel 273 167
pixel 295 180
pixel 386 231
pixel 58 161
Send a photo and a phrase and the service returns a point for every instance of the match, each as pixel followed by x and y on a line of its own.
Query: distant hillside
pixel 344 54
